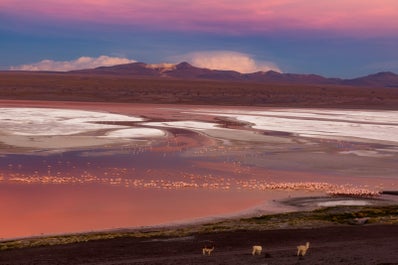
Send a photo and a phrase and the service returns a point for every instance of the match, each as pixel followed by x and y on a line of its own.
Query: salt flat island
pixel 90 166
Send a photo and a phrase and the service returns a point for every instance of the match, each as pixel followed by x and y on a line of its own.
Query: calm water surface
pixel 188 174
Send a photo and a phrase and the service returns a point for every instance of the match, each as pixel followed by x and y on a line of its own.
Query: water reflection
pixel 185 173
pixel 144 168
pixel 98 189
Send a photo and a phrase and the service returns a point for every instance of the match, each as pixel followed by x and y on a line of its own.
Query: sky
pixel 339 38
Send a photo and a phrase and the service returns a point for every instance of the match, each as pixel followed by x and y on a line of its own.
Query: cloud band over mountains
pixel 228 60
pixel 215 60
pixel 80 63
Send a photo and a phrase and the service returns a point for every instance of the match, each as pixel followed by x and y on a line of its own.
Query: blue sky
pixel 54 30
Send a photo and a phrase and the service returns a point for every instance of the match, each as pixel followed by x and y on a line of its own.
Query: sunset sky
pixel 339 38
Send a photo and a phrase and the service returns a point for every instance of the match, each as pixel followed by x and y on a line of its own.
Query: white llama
pixel 302 249
pixel 257 250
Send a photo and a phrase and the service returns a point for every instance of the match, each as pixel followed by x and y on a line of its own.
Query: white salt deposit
pixel 215 131
pixel 369 125
pixel 367 153
pixel 343 203
pixel 366 126
pixel 135 133
pixel 47 121
pixel 58 129
pixel 189 125
pixel 383 116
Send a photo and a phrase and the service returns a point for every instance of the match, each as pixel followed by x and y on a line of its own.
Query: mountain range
pixel 186 71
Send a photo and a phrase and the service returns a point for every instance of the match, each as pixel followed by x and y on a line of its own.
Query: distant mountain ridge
pixel 186 71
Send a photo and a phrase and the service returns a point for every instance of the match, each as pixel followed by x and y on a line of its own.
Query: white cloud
pixel 80 63
pixel 228 60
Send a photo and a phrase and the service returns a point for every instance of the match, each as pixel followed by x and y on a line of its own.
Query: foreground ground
pixel 334 234
pixel 332 245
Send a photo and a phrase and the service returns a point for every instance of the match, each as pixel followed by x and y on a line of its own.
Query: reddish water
pixel 182 177
pixel 87 191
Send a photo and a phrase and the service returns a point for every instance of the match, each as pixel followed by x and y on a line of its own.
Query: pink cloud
pixel 363 16
pixel 83 62
pixel 228 60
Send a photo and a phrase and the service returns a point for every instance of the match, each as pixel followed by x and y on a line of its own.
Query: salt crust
pixel 367 125
pixel 316 123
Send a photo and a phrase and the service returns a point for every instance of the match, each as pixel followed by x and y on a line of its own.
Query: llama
pixel 207 250
pixel 257 250
pixel 302 249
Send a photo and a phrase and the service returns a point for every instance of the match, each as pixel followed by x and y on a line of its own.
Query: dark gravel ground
pixel 367 244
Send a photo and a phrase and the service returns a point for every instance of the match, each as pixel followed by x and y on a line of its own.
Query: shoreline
pixel 334 238
pixel 290 205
